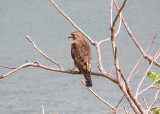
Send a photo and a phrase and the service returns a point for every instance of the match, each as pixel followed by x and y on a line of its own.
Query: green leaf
pixel 157 110
pixel 151 73
pixel 156 77
pixel 153 108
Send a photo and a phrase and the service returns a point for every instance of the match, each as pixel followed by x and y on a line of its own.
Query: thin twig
pixel 120 101
pixel 118 57
pixel 100 66
pixel 118 14
pixel 7 67
pixel 149 87
pixel 140 48
pixel 154 101
pixel 125 111
pixel 154 58
pixel 98 96
pixel 131 94
pixel 15 70
pixel 111 8
pixel 130 75
pixel 34 45
pixel 42 109
pixel 117 67
pixel 119 27
pixel 148 57
pixel 113 30
pixel 91 41
pixel 135 72
pixel 106 40
pixel 144 101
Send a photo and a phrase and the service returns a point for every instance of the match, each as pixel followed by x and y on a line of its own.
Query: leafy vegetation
pixel 156 110
pixel 155 76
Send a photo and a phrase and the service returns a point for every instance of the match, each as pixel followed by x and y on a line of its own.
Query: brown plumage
pixel 81 54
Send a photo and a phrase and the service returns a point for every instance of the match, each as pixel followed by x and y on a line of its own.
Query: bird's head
pixel 76 35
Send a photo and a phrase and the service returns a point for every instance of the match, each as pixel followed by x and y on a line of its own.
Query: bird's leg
pixel 72 70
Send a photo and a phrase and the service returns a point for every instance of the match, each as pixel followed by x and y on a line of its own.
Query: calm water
pixel 27 90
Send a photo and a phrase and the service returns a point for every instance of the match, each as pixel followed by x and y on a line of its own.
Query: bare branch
pixel 155 57
pixel 119 27
pixel 134 107
pixel 106 40
pixel 139 46
pixel 118 57
pixel 119 11
pixel 120 101
pixel 7 67
pixel 42 109
pixel 91 41
pixel 123 87
pixel 117 67
pixel 34 45
pixel 113 36
pixel 149 87
pixel 155 98
pixel 98 96
pixel 37 64
pixel 100 66
pixel 111 8
pixel 22 66
pixel 144 101
pixel 125 110
pixel 138 69
pixel 130 75
pixel 131 94
pixel 148 57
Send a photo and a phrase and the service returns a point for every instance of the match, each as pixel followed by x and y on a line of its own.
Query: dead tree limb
pixel 146 56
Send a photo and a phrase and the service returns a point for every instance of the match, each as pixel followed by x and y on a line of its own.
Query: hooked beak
pixel 70 36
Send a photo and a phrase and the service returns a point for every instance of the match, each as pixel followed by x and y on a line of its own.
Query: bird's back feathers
pixel 81 54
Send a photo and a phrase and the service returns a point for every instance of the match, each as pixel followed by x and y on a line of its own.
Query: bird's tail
pixel 87 76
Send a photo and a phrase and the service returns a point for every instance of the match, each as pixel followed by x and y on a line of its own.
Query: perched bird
pixel 81 54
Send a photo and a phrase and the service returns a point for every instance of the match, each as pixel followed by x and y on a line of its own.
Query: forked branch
pixel 146 56
pixel 154 58
pixel 34 45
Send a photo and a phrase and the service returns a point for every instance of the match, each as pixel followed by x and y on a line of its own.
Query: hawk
pixel 81 54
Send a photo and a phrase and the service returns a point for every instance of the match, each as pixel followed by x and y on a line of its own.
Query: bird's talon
pixel 72 70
